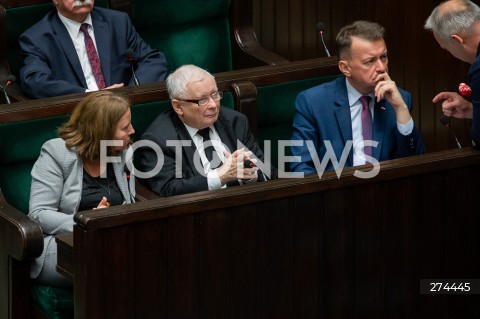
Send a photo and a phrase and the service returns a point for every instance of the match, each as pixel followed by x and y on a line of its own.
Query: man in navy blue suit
pixel 328 118
pixel 57 62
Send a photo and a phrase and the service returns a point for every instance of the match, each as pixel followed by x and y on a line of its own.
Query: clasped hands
pixel 233 168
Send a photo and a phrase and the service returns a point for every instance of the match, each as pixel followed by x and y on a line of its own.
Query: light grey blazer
pixel 56 191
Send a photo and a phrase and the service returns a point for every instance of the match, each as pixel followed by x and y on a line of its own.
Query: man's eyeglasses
pixel 216 96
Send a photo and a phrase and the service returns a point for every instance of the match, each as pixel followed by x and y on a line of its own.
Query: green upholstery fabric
pixel 276 108
pixel 187 31
pixel 144 114
pixel 15 180
pixel 52 302
pixel 21 143
pixel 18 21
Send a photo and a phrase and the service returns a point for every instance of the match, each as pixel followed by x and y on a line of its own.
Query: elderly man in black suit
pixel 185 133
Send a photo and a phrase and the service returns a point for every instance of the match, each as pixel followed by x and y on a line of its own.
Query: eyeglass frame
pixel 207 98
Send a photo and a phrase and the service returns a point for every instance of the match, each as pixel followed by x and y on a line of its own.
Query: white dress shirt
pixel 213 178
pixel 78 39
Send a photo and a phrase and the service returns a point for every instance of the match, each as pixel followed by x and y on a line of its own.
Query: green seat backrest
pixel 21 143
pixel 276 108
pixel 18 21
pixel 187 31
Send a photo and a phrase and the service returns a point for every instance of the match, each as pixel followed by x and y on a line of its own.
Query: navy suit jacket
pixel 474 79
pixel 230 126
pixel 322 114
pixel 51 65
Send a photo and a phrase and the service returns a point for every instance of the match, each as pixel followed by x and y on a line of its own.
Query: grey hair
pixel 178 80
pixel 459 19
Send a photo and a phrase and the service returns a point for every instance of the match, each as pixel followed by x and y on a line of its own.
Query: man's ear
pixel 457 39
pixel 344 67
pixel 177 107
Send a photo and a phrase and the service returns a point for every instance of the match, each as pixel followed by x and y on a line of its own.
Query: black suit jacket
pixel 230 126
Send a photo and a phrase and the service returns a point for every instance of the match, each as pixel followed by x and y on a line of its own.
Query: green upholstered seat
pixel 188 32
pixel 19 20
pixel 276 108
pixel 21 143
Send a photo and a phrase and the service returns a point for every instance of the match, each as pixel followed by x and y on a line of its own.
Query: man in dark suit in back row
pixel 364 106
pixel 78 48
pixel 181 138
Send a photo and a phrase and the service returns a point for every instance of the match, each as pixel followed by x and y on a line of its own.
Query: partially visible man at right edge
pixel 455 24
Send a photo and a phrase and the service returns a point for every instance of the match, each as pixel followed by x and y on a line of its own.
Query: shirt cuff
pixel 405 129
pixel 213 180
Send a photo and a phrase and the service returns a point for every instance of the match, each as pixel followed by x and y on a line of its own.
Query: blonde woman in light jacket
pixel 67 176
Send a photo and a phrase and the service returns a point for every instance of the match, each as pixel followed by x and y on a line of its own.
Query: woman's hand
pixel 103 203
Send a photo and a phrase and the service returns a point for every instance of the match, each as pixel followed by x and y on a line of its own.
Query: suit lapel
pixel 342 114
pixel 183 135
pixel 223 128
pixel 68 48
pixel 102 39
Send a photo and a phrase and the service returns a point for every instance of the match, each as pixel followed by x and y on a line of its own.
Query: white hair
pixel 178 80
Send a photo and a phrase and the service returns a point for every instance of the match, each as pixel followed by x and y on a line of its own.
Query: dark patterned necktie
pixel 93 57
pixel 366 123
pixel 210 152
